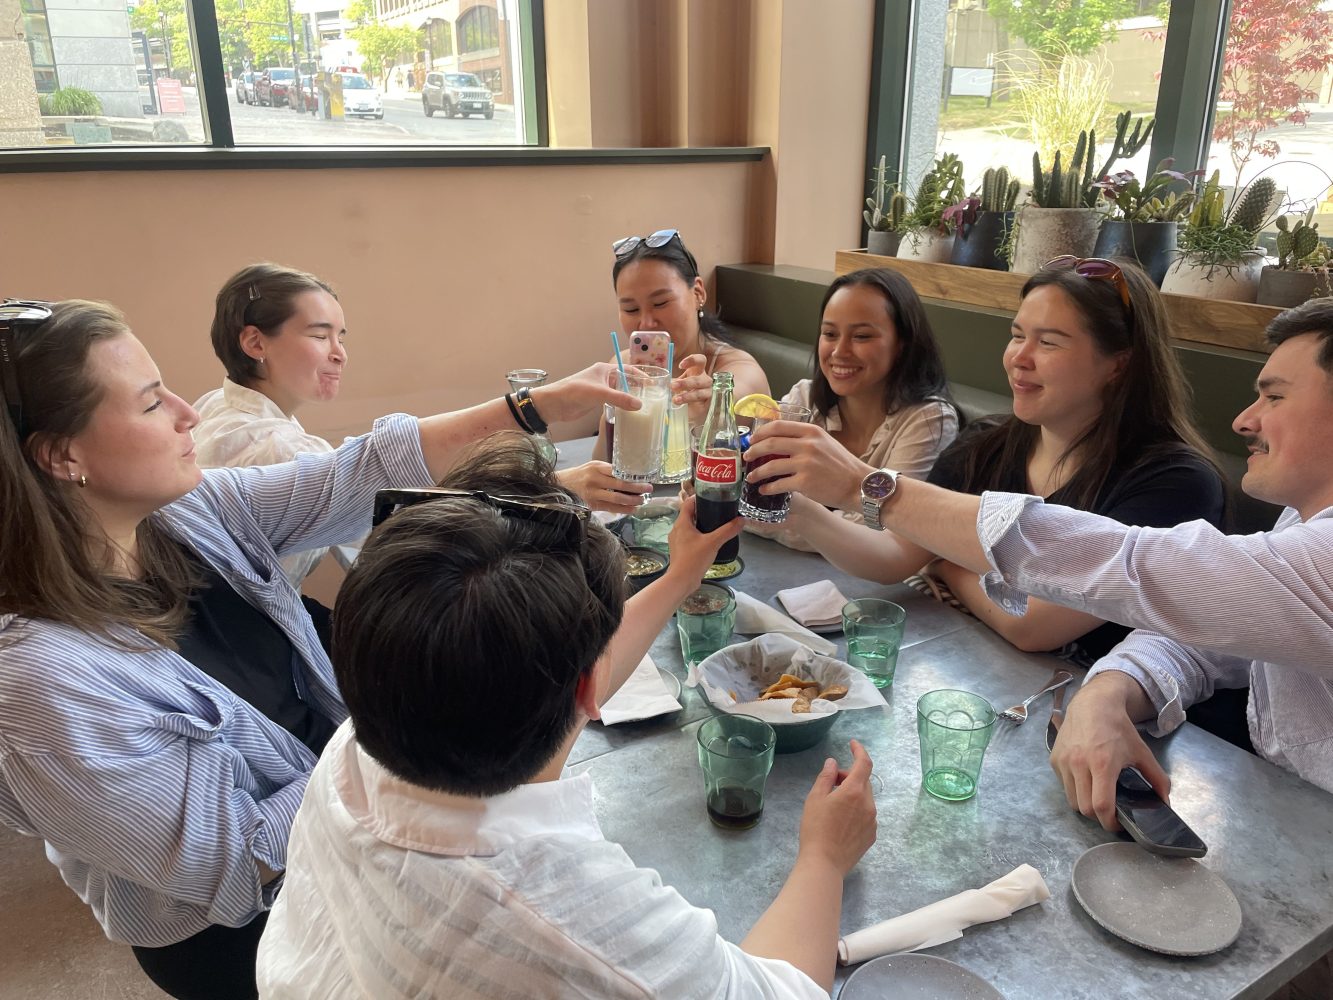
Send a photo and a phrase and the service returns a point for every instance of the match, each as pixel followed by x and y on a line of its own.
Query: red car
pixel 273 84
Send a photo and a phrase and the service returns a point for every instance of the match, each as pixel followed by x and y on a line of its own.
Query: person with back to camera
pixel 878 386
pixel 163 694
pixel 1101 422
pixel 445 851
pixel 658 287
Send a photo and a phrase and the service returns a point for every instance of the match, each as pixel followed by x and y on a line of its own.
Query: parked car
pixel 245 87
pixel 272 86
pixel 460 94
pixel 360 98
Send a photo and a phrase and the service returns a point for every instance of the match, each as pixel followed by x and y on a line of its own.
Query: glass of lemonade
pixel 636 446
pixel 676 461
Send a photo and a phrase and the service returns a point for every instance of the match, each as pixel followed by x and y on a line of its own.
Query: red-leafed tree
pixel 1271 46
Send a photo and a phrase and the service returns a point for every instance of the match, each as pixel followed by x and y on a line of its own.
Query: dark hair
pixel 262 296
pixel 675 254
pixel 53 557
pixel 917 374
pixel 1314 316
pixel 1145 410
pixel 460 634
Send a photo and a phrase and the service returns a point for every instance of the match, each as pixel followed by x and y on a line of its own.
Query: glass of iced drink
pixel 757 506
pixel 636 445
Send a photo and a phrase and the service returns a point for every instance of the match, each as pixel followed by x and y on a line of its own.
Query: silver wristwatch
pixel 876 488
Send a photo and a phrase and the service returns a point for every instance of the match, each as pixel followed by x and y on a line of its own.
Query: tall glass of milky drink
pixel 636 446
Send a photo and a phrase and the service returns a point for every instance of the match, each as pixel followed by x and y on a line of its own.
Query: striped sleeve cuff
pixel 398 437
pixel 996 518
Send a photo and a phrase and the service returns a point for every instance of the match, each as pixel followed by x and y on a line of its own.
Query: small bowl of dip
pixel 643 565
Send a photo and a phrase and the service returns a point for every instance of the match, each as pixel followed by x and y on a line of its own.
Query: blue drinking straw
pixel 671 358
pixel 615 349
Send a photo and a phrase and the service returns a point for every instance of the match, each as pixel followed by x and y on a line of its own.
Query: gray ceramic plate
pixel 1175 906
pixel 916 977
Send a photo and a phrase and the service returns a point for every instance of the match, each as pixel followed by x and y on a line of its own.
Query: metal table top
pixel 1270 834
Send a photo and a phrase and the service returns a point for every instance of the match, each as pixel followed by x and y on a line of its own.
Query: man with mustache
pixel 1214 610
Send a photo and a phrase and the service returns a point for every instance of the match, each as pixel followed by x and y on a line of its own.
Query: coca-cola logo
pixel 719 471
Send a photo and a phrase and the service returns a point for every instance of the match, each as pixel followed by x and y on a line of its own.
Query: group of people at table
pixel 396 820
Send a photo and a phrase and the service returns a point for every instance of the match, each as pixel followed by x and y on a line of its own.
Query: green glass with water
pixel 706 620
pixel 954 728
pixel 874 631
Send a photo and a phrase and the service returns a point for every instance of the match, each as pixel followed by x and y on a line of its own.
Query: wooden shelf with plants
pixel 1237 325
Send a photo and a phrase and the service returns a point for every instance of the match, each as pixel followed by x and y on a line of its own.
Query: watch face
pixel 877 485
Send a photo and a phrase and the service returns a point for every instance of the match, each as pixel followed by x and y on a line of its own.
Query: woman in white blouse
pixel 280 334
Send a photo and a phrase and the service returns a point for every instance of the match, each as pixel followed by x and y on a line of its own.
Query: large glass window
pixel 38 34
pixel 994 81
pixel 1273 113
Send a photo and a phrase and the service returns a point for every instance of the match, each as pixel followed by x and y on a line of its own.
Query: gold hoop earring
pixel 81 482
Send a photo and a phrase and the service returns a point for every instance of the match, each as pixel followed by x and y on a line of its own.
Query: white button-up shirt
pixel 1215 611
pixel 239 427
pixel 393 890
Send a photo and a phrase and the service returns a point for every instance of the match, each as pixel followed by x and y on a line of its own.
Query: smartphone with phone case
pixel 1152 823
pixel 649 347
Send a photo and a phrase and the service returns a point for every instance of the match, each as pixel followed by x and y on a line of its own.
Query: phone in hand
pixel 1152 823
pixel 649 347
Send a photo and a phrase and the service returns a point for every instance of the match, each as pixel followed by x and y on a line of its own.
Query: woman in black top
pixel 1101 422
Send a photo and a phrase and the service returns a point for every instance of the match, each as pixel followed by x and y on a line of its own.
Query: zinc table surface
pixel 1269 833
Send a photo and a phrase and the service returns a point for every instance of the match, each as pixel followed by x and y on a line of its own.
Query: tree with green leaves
pixel 1055 27
pixel 166 20
pixel 381 47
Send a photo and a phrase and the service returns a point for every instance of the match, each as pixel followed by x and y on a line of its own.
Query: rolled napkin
pixel 817 603
pixel 945 920
pixel 754 617
pixel 643 695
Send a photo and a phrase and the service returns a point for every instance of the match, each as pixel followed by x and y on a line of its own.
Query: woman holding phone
pixel 658 288
pixel 163 694
pixel 1101 422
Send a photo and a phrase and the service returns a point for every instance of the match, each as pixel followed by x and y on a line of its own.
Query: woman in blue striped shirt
pixel 163 695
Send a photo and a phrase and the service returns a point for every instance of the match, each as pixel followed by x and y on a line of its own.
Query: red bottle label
pixel 723 471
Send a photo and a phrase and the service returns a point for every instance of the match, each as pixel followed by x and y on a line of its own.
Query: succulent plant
pixel 1074 187
pixel 998 192
pixel 941 187
pixel 1150 201
pixel 1251 211
pixel 1298 245
pixel 879 216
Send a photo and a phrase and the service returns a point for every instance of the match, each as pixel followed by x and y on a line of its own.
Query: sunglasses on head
pixel 1094 269
pixel 570 516
pixel 626 245
pixel 15 315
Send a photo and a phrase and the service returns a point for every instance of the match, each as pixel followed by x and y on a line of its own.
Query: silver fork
pixel 1018 714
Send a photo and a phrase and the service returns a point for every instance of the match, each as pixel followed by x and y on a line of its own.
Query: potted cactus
pixel 1302 269
pixel 884 213
pixel 1144 217
pixel 928 235
pixel 982 224
pixel 1217 252
pixel 1062 217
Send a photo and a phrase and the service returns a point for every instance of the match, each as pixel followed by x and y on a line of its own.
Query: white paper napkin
pixel 945 920
pixel 643 695
pixel 817 603
pixel 754 617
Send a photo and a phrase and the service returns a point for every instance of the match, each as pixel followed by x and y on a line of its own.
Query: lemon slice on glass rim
pixel 757 405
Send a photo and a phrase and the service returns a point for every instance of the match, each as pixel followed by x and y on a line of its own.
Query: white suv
pixel 456 94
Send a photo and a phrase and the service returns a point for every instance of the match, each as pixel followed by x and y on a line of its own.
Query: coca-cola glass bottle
pixel 717 470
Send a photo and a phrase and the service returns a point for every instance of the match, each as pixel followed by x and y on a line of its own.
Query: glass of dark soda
pixel 758 506
pixel 736 754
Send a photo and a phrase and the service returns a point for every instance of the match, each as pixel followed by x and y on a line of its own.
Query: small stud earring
pixel 701 313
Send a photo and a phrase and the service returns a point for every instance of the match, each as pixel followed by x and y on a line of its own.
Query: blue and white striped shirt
pixel 155 788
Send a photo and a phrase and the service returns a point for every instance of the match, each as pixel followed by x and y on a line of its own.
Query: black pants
pixel 218 963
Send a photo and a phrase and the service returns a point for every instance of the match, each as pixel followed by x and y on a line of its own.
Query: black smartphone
pixel 1152 823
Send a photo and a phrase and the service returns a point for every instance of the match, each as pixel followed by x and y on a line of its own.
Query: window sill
pixel 327 157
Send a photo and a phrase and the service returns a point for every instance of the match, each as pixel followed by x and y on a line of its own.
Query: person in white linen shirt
pixel 281 336
pixel 1213 610
pixel 442 849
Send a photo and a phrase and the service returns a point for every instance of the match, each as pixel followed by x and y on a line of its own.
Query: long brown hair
pixel 262 296
pixel 1145 409
pixel 52 558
